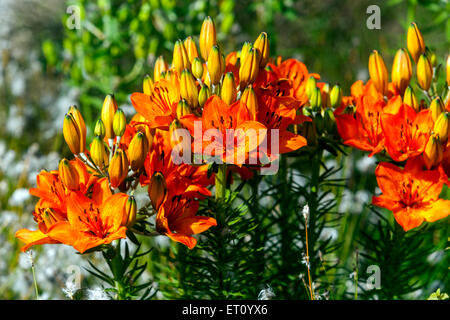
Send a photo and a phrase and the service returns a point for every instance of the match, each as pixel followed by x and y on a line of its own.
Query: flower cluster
pixel 386 117
pixel 187 110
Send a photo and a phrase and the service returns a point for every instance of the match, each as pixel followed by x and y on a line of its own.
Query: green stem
pixel 35 282
pixel 221 181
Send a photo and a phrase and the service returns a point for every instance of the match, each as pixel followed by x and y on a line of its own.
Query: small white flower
pixel 266 294
pixel 305 211
pixel 97 294
pixel 70 289
pixel 305 260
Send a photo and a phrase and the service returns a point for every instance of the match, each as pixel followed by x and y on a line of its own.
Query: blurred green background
pixel 46 66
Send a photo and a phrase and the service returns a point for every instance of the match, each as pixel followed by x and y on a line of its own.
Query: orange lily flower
pixel 191 181
pixel 274 113
pixel 412 194
pixel 406 132
pixel 160 107
pixel 218 120
pixel 177 219
pixel 363 130
pixel 52 205
pixel 91 222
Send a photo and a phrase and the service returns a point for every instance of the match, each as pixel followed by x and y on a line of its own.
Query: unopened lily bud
pixel 203 95
pixel 245 51
pixel 107 115
pixel 148 85
pixel 180 58
pixel 442 126
pixel 130 212
pixel 99 129
pixel 436 107
pixel 118 168
pixel 197 68
pixel 378 72
pixel 157 190
pixel 248 71
pixel 434 152
pixel 262 44
pixel 188 88
pixel 448 71
pixel 410 99
pixel 401 70
pixel 183 108
pixel 316 99
pixel 72 134
pixel 214 64
pixel 424 72
pixel 249 98
pixel 160 67
pixel 326 101
pixel 207 37
pixel 191 48
pixel 311 85
pixel 119 123
pixel 69 175
pixel 336 96
pixel 79 121
pixel 415 43
pixel 228 92
pixel 177 139
pixel 137 151
pixel 99 153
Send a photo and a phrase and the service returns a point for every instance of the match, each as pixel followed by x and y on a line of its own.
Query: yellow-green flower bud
pixel 99 153
pixel 191 48
pixel 378 72
pixel 99 129
pixel 410 99
pixel 118 168
pixel 248 71
pixel 157 190
pixel 197 68
pixel 188 88
pixel 180 58
pixel 262 44
pixel 119 123
pixel 415 43
pixel 442 126
pixel 311 85
pixel 424 72
pixel 249 98
pixel 401 70
pixel 203 95
pixel 207 37
pixel 183 108
pixel 137 151
pixel 436 107
pixel 129 217
pixel 228 92
pixel 107 115
pixel 69 175
pixel 336 96
pixel 215 65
